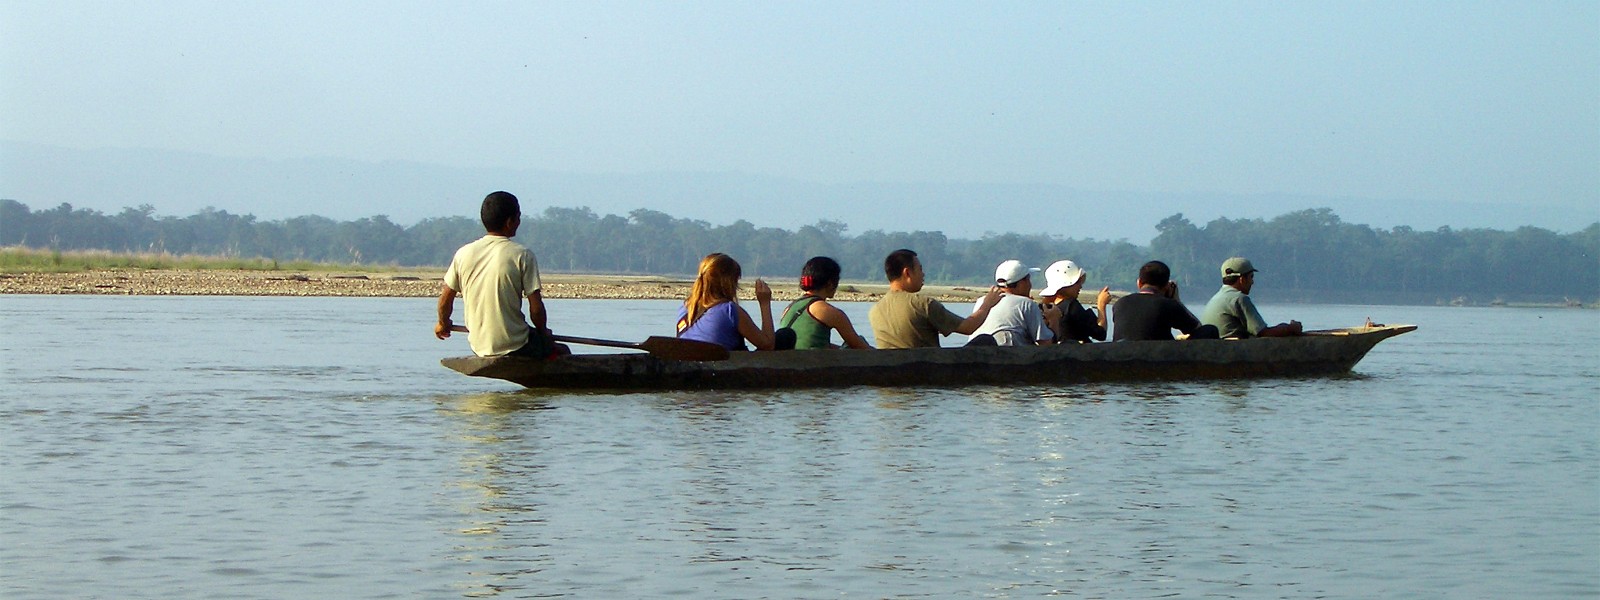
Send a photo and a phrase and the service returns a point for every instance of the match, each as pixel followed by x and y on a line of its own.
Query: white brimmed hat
pixel 1012 271
pixel 1060 274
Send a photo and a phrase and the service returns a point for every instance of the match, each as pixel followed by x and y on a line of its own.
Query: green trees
pixel 1306 255
pixel 1312 255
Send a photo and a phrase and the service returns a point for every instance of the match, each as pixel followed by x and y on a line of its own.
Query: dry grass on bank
pixel 16 259
pixel 30 271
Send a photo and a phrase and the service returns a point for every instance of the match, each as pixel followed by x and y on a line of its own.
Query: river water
pixel 197 447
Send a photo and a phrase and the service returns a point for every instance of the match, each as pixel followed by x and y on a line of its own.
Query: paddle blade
pixel 680 349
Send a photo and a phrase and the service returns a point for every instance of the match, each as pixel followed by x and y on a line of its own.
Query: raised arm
pixel 761 337
pixel 1101 301
pixel 973 322
pixel 764 300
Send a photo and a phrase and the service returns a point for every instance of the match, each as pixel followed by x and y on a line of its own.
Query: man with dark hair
pixel 498 209
pixel 493 275
pixel 898 262
pixel 907 319
pixel 1233 313
pixel 1155 311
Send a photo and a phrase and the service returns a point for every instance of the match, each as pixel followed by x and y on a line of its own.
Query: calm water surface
pixel 282 448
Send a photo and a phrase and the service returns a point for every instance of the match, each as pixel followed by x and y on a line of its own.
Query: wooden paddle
pixel 659 346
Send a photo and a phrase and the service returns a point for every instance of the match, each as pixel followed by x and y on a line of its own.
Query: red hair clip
pixel 805 282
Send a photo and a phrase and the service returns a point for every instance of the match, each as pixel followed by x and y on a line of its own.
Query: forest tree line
pixel 1306 255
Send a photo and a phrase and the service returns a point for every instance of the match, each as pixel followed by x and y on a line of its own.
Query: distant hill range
pixel 182 183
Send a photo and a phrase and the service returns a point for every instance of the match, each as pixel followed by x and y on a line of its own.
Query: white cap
pixel 1012 271
pixel 1060 274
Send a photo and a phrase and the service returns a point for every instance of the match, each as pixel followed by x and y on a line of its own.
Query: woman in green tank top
pixel 811 317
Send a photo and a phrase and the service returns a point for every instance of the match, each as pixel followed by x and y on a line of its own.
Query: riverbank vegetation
pixel 1308 255
pixel 21 259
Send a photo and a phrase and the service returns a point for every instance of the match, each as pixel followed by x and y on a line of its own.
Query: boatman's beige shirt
pixel 494 275
pixel 907 320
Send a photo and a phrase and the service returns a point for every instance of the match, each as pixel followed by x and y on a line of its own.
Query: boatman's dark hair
pixel 897 262
pixel 498 210
pixel 1155 273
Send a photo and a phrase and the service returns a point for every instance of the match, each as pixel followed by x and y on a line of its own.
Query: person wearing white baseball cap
pixel 1016 320
pixel 1063 282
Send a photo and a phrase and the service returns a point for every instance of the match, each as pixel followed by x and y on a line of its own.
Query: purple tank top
pixel 719 325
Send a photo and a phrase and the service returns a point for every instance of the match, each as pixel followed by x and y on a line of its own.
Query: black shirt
pixel 1080 324
pixel 1150 317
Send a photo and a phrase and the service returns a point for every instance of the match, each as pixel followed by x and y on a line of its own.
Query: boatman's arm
pixel 536 314
pixel 447 306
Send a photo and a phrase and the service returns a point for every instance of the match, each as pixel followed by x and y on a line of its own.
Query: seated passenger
pixel 1233 313
pixel 1063 282
pixel 712 312
pixel 811 317
pixel 1155 311
pixel 1016 320
pixel 904 318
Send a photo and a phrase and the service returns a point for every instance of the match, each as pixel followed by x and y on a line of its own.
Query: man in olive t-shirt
pixel 907 319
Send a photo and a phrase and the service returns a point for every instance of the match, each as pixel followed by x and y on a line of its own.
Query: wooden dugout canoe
pixel 1328 352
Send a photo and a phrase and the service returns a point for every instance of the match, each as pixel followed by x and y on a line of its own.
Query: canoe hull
pixel 1317 353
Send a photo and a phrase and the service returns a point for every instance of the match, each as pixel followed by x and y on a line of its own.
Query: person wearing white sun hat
pixel 1063 282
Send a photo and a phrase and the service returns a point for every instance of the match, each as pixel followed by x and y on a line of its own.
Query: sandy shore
pixel 385 284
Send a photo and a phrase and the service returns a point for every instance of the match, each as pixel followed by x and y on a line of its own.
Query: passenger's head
pixel 1062 280
pixel 820 273
pixel 1238 271
pixel 717 282
pixel 1015 277
pixel 498 212
pixel 904 263
pixel 1155 273
pixel 897 262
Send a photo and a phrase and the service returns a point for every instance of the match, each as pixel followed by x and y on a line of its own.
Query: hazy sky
pixel 1484 102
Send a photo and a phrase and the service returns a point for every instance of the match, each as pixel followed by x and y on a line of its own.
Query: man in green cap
pixel 1232 312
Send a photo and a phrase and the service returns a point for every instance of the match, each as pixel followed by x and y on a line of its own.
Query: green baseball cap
pixel 1237 266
